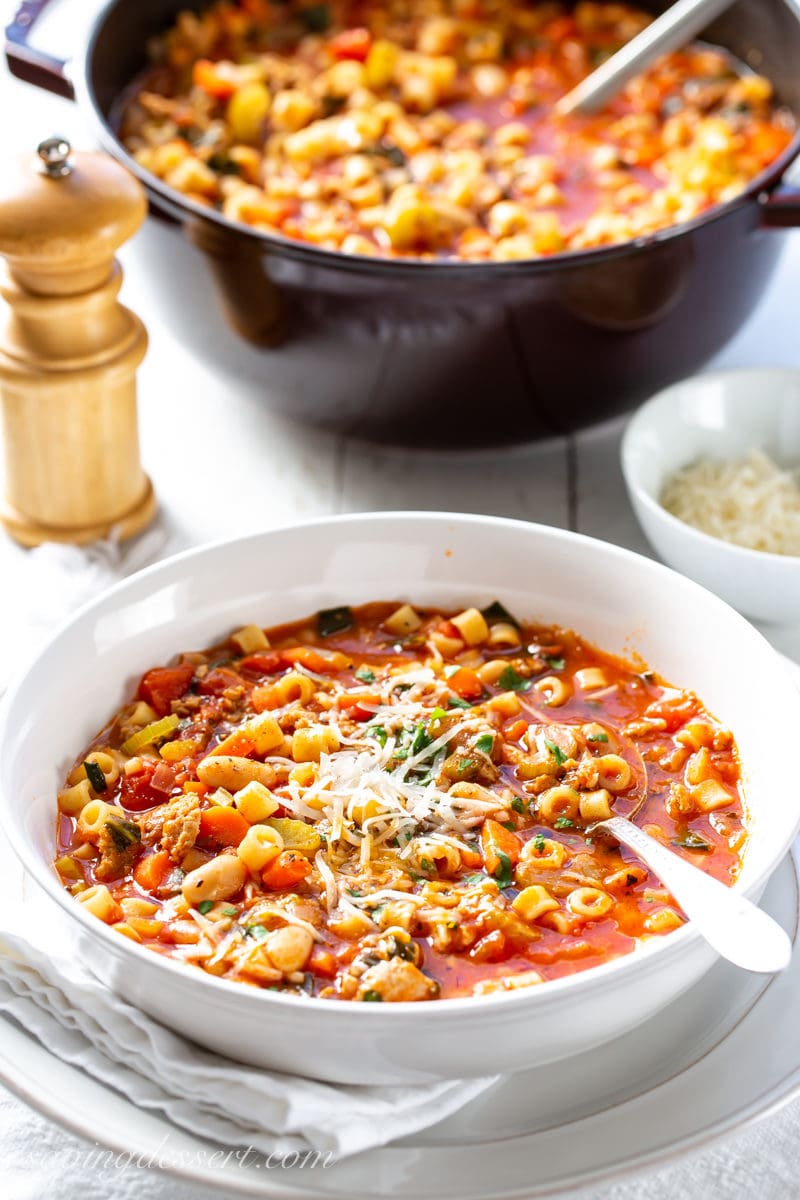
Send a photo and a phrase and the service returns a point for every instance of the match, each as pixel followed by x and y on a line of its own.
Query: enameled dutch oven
pixel 447 353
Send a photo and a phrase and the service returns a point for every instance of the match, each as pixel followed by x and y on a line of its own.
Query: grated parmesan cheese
pixel 750 502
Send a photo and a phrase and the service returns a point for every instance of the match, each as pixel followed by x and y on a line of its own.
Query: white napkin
pixel 44 987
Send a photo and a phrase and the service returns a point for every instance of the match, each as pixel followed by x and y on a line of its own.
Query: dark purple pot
pixel 448 353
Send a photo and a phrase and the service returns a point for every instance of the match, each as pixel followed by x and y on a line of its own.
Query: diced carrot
pixel 309 658
pixel 323 963
pixel 194 785
pixel 214 79
pixel 767 142
pixel 150 872
pixel 497 840
pixel 515 730
pixel 285 871
pixel 264 698
pixel 359 706
pixel 466 683
pixel 222 825
pixel 470 858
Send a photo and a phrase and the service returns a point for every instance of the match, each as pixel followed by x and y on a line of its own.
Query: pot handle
pixel 34 66
pixel 780 209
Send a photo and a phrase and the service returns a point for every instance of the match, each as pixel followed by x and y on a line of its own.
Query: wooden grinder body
pixel 68 354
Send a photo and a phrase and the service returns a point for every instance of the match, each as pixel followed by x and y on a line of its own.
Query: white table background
pixel 192 419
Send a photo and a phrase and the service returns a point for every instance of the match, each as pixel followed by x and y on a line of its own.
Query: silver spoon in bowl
pixel 673 29
pixel 728 921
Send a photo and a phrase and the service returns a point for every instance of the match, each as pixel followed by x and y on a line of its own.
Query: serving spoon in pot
pixel 672 30
pixel 729 922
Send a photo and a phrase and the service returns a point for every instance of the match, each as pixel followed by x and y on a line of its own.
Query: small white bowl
pixel 721 415
pixel 619 600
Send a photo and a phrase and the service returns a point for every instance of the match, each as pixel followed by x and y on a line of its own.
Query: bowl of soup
pixel 333 778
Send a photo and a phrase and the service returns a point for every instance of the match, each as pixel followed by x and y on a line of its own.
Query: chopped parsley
pixel 518 805
pixel 457 702
pixel 503 874
pixel 693 841
pixel 259 932
pixel 555 663
pixel 427 865
pixel 511 681
pixel 465 764
pixel 474 877
pixel 438 714
pixel 538 843
pixel 379 733
pixel 422 739
pixel 485 743
pixel 557 753
pixel 365 675
pixel 563 823
pixel 94 774
pixel 229 911
pixel 354 891
pixel 509 825
pixel 597 737
pixel 205 906
pixel 371 996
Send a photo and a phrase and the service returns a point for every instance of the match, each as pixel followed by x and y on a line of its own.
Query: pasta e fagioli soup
pixel 392 803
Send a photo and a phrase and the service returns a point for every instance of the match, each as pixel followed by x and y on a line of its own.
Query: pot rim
pixel 181 207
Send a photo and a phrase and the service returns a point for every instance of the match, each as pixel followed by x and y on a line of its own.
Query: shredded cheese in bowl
pixel 749 501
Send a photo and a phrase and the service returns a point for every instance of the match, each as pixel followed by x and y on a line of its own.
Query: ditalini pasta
pixel 390 804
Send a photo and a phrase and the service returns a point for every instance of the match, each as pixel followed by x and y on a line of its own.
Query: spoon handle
pixel 671 31
pixel 728 921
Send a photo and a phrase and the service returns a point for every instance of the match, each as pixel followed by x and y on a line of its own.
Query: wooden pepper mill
pixel 69 350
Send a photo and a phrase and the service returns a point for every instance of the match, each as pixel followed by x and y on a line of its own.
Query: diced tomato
pixel 288 869
pixel 466 683
pixel 222 825
pixel 151 871
pixel 162 685
pixel 351 43
pixel 261 664
pixel 137 792
pixel 218 681
pixel 497 840
pixel 450 630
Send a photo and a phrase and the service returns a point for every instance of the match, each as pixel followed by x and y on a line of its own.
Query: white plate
pixel 725 1054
